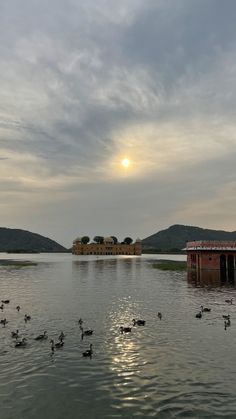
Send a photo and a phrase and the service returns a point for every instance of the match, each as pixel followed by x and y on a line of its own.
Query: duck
pixel 89 352
pixel 27 317
pixel 228 322
pixel 15 334
pixel 199 315
pixel 61 337
pixel 229 301
pixel 87 332
pixel 21 343
pixel 125 329
pixel 159 315
pixel 3 322
pixel 18 308
pixel 2 306
pixel 42 337
pixel 139 322
pixel 226 316
pixel 57 345
pixel 205 309
pixel 5 301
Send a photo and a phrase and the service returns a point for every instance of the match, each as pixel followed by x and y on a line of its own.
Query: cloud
pixel 85 83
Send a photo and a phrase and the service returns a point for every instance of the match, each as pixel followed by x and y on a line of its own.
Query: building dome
pixel 108 240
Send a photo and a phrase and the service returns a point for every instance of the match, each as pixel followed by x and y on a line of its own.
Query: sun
pixel 125 163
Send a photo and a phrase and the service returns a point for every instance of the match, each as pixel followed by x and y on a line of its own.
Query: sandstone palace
pixel 106 246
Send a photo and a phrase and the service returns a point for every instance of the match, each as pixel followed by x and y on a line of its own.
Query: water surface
pixel 179 367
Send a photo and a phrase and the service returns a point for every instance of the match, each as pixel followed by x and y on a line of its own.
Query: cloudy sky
pixel 85 84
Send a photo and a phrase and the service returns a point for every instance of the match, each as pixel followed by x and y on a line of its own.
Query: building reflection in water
pixel 209 278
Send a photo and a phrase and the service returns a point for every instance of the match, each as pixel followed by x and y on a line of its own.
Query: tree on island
pixel 115 240
pixel 99 239
pixel 128 240
pixel 85 239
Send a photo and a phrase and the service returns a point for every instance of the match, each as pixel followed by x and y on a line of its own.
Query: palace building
pixel 107 247
pixel 212 255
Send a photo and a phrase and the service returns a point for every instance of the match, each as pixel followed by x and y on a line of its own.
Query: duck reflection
pixel 208 278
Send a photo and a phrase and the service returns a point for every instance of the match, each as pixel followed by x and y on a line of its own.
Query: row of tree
pixel 100 240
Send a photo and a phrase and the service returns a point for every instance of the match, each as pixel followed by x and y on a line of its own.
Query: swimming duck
pixel 230 301
pixel 57 345
pixel 2 306
pixel 159 315
pixel 88 332
pixel 139 322
pixel 226 316
pixel 21 343
pixel 205 309
pixel 15 334
pixel 89 352
pixel 42 337
pixel 125 329
pixel 228 323
pixel 5 301
pixel 27 317
pixel 3 322
pixel 61 336
pixel 199 315
pixel 18 308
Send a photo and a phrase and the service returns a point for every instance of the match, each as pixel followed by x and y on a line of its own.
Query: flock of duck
pixel 226 317
pixel 22 343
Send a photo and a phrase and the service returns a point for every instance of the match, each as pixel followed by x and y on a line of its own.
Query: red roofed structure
pixel 212 255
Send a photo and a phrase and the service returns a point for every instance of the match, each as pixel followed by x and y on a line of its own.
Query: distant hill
pixel 21 240
pixel 174 238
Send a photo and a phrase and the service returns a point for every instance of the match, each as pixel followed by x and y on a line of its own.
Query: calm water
pixel 179 367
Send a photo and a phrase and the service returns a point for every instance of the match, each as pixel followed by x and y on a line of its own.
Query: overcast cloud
pixel 86 83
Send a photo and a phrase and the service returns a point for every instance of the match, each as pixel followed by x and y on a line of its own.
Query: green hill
pixel 15 240
pixel 174 238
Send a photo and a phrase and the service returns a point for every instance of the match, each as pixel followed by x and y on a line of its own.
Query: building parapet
pixel 214 245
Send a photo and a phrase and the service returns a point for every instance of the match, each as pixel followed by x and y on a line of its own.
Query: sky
pixel 86 84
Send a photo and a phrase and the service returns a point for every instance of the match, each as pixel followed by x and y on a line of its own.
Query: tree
pixel 128 240
pixel 115 240
pixel 85 239
pixel 98 239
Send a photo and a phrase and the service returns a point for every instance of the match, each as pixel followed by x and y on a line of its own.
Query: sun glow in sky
pixel 125 163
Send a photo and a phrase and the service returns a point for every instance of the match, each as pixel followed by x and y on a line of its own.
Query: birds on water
pixel 205 309
pixel 89 351
pixel 21 343
pixel 43 336
pixel 89 332
pixel 229 301
pixel 125 329
pixel 15 334
pixel 139 322
pixel 56 345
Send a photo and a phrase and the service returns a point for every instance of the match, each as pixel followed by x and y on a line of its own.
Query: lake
pixel 177 367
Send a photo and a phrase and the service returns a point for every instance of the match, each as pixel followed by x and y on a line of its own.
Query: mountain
pixel 174 238
pixel 21 240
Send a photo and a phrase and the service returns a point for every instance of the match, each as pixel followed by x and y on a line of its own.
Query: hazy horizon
pixel 85 85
